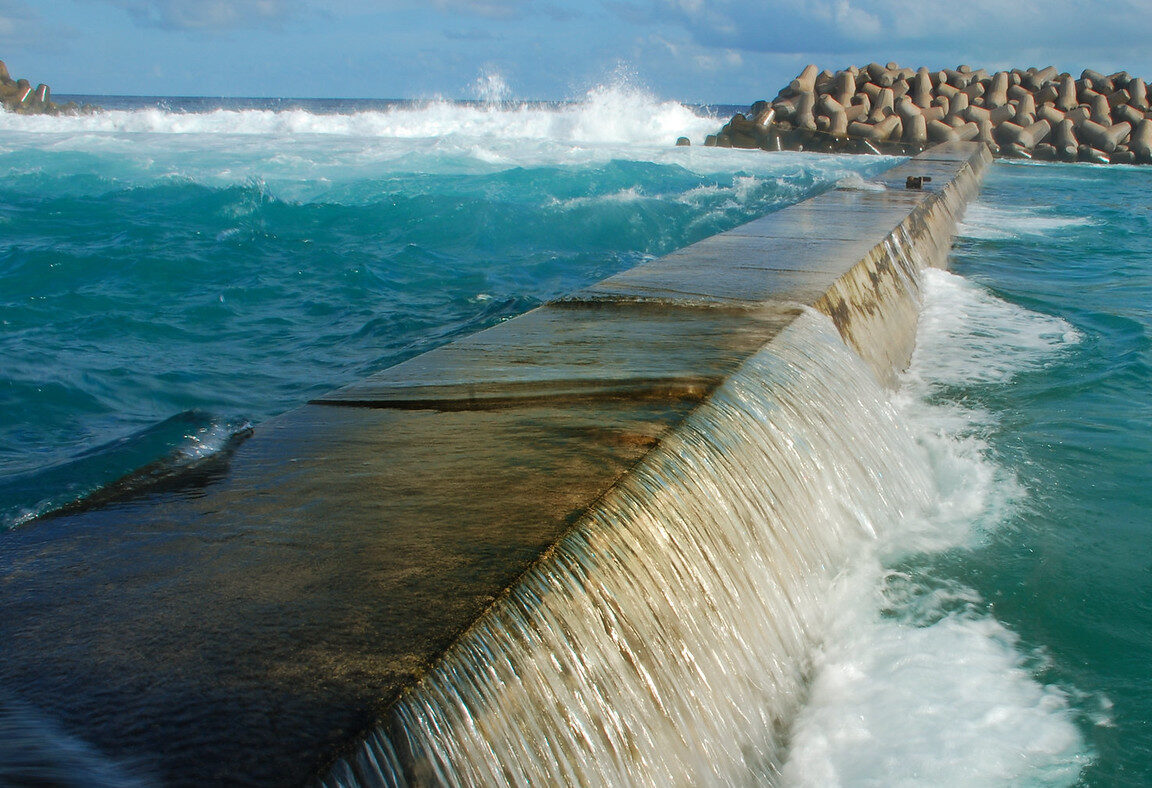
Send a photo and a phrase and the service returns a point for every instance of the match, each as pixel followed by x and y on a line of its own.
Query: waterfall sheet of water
pixel 667 638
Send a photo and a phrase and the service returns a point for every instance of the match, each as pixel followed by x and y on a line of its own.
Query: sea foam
pixel 605 114
pixel 917 682
pixel 997 223
pixel 950 702
pixel 301 155
pixel 970 336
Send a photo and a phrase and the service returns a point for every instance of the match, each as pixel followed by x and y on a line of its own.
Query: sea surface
pixel 175 271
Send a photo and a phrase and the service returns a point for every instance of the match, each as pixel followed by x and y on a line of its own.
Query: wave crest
pixel 163 455
pixel 605 114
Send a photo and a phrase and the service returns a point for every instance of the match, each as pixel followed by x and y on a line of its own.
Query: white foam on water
pixel 972 494
pixel 856 182
pixel 913 680
pixel 629 195
pixel 605 114
pixel 989 222
pixel 949 702
pixel 302 155
pixel 969 336
pixel 744 186
pixel 664 641
pixel 712 199
pixel 917 683
pixel 209 439
pixel 708 194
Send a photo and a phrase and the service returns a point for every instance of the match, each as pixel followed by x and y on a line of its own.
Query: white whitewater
pixel 742 610
pixel 916 682
pixel 604 114
pixel 667 639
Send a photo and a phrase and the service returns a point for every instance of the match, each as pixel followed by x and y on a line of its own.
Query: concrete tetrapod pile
pixel 1023 113
pixel 18 95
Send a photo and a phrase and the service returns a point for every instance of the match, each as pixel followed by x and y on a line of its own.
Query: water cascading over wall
pixel 590 544
pixel 665 639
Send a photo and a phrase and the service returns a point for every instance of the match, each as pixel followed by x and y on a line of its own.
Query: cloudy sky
pixel 707 51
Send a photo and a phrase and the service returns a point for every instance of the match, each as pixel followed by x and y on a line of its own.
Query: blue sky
pixel 707 51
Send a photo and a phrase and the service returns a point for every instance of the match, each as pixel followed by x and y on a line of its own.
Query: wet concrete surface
pixel 246 625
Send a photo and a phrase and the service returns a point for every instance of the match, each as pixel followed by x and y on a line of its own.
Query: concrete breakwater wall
pixel 623 654
pixel 1021 113
pixel 18 95
pixel 252 624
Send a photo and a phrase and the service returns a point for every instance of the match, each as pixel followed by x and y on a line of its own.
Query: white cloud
pixel 17 22
pixel 209 15
pixel 687 42
pixel 856 22
pixel 848 27
pixel 492 9
pixel 220 15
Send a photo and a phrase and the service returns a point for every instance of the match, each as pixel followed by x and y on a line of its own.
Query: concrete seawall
pixel 251 625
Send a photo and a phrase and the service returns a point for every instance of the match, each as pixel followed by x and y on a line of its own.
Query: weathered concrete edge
pixel 874 305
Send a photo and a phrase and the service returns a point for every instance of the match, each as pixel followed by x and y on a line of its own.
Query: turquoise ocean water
pixel 1069 570
pixel 171 275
